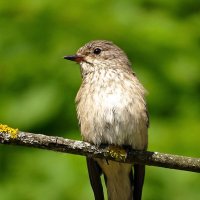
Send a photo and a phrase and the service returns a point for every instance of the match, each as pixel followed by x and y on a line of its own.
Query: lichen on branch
pixel 15 137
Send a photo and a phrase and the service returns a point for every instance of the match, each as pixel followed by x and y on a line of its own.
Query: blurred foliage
pixel 38 87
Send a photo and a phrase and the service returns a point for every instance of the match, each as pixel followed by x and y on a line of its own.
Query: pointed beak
pixel 75 58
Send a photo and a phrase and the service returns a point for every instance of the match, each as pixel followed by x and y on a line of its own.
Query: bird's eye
pixel 97 51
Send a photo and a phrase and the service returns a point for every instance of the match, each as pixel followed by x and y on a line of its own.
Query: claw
pixel 117 152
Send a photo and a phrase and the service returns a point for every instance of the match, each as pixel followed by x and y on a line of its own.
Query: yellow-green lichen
pixel 11 131
pixel 117 152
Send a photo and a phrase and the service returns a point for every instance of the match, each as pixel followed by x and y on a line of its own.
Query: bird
pixel 112 110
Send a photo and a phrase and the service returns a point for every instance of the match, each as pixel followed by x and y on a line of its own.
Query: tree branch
pixel 54 143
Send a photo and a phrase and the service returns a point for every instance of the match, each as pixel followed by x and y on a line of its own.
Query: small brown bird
pixel 111 110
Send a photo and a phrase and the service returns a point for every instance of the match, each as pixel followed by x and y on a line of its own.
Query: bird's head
pixel 99 54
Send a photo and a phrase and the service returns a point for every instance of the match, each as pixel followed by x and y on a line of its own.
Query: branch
pixel 54 143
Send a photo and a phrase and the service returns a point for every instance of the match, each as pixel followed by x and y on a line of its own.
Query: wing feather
pixel 95 178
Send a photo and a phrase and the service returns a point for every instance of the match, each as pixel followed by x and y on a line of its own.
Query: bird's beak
pixel 76 58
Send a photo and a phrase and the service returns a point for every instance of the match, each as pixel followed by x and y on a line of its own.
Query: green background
pixel 38 87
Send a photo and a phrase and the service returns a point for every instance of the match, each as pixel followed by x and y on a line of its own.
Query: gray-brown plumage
pixel 111 110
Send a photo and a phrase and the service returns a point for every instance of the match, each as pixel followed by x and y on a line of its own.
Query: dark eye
pixel 97 51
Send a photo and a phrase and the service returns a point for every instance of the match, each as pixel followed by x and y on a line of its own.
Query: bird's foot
pixel 117 152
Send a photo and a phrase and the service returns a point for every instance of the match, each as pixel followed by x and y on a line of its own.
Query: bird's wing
pixel 95 180
pixel 138 180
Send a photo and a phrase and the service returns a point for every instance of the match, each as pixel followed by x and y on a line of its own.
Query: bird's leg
pixel 117 152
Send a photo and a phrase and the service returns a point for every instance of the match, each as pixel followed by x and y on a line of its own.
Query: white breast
pixel 111 109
